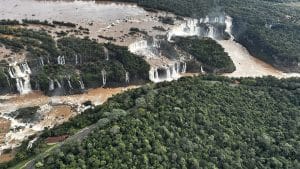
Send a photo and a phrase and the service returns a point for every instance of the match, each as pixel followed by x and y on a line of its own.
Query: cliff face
pixel 69 67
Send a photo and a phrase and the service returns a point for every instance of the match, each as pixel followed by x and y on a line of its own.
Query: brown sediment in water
pixel 4 128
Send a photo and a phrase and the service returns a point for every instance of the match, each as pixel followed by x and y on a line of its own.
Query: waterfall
pixel 139 45
pixel 228 22
pixel 21 73
pixel 106 54
pixel 69 82
pixel 211 32
pixel 197 27
pixel 58 84
pixel 61 60
pixel 51 85
pixel 103 72
pixel 171 72
pixel 81 84
pixel 76 60
pixel 202 71
pixel 127 79
pixel 183 68
pixel 41 61
pixel 29 146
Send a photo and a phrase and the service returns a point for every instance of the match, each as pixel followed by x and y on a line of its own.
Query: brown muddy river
pixel 68 11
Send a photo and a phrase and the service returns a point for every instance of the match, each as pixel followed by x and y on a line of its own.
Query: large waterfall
pixel 144 48
pixel 204 27
pixel 21 73
pixel 168 72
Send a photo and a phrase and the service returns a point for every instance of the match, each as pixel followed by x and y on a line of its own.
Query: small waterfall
pixel 81 84
pixel 168 71
pixel 29 146
pixel 21 73
pixel 41 61
pixel 211 32
pixel 76 60
pixel 183 68
pixel 202 71
pixel 127 79
pixel 58 84
pixel 69 82
pixel 51 85
pixel 61 60
pixel 103 72
pixel 106 54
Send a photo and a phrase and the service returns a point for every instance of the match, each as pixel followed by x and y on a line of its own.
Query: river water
pixel 68 11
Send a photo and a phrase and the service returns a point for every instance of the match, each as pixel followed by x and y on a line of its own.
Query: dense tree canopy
pixel 208 122
pixel 208 52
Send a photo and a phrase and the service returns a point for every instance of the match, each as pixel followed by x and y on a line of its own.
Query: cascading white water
pixel 143 48
pixel 41 61
pixel 51 85
pixel 202 71
pixel 81 84
pixel 195 27
pixel 169 72
pixel 127 79
pixel 103 73
pixel 76 60
pixel 184 68
pixel 106 54
pixel 58 83
pixel 69 82
pixel 61 60
pixel 21 73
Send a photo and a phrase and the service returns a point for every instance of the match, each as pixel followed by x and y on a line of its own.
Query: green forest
pixel 85 60
pixel 200 122
pixel 208 52
pixel 269 29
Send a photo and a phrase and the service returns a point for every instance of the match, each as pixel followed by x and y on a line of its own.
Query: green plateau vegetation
pixel 208 52
pixel 269 29
pixel 200 122
pixel 85 59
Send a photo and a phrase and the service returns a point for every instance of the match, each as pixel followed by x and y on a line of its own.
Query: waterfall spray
pixel 103 72
pixel 21 73
pixel 81 84
pixel 69 82
pixel 76 60
pixel 61 60
pixel 127 79
pixel 41 61
pixel 51 85
pixel 58 84
pixel 106 53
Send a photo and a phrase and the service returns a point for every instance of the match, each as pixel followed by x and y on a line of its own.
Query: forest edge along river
pixel 99 17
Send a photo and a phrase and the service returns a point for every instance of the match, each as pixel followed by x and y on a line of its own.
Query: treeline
pixel 201 122
pixel 208 52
